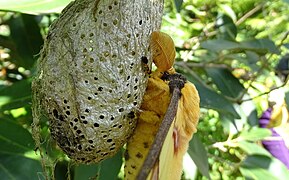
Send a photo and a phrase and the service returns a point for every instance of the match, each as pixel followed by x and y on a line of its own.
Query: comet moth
pixel 167 120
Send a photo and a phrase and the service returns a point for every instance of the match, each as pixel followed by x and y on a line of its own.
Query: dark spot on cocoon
pixel 55 113
pixel 129 95
pixel 133 166
pixel 112 118
pixel 96 125
pixel 61 118
pixel 131 115
pixel 101 116
pixel 146 145
pixel 85 122
pixel 89 98
pixel 140 22
pixel 75 120
pixel 144 60
pixel 87 110
pixel 112 148
pixel 120 126
pixel 90 141
pixel 82 117
pixel 65 101
pixel 120 109
pixel 109 140
pixel 67 112
pixel 78 131
pixel 100 88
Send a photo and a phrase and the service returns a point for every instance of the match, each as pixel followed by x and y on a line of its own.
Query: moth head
pixel 163 50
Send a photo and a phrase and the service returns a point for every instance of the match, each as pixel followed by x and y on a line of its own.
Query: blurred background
pixel 235 52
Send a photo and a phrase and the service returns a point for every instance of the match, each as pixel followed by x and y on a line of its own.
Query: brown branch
pixel 156 147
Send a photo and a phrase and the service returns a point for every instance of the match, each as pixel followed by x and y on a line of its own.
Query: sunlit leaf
pixel 252 148
pixel 34 6
pixel 199 155
pixel 263 167
pixel 228 11
pixel 255 134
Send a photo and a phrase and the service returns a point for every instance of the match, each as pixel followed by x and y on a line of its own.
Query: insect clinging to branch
pixel 169 116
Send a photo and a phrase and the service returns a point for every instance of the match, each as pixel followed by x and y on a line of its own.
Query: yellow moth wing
pixel 180 133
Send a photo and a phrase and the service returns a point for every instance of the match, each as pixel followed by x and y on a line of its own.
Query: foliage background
pixel 229 49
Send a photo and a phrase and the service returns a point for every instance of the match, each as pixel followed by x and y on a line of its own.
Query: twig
pixel 249 13
pixel 262 94
pixel 156 147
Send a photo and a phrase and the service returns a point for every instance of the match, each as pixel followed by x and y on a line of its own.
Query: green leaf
pixel 219 45
pixel 178 4
pixel 261 46
pixel 14 138
pixel 228 84
pixel 110 168
pixel 228 11
pixel 27 39
pixel 199 155
pixel 252 148
pixel 18 168
pixel 255 134
pixel 251 60
pixel 263 167
pixel 15 96
pixel 34 6
pixel 226 26
pixel 83 171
